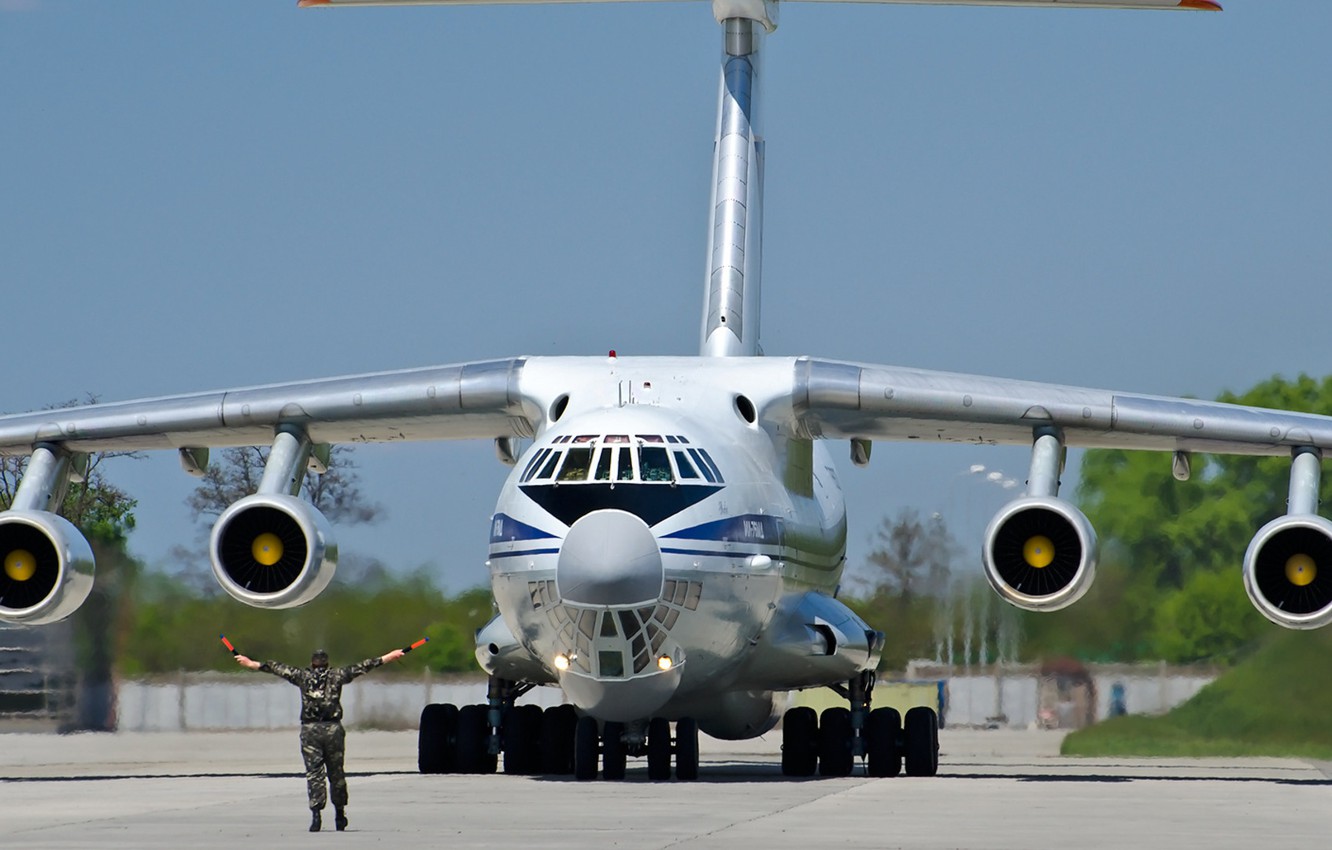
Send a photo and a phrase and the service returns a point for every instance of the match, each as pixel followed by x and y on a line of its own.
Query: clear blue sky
pixel 206 195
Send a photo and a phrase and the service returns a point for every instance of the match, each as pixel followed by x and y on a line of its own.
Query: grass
pixel 1275 703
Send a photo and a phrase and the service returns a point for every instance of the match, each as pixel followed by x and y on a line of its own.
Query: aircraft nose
pixel 609 557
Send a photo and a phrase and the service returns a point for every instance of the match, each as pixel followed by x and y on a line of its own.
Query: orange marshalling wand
pixel 415 645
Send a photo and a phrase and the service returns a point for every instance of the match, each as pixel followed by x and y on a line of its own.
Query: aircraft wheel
pixel 613 755
pixel 835 757
pixel 882 730
pixel 522 733
pixel 557 740
pixel 800 742
pixel 686 749
pixel 585 749
pixel 473 740
pixel 659 749
pixel 922 741
pixel 437 738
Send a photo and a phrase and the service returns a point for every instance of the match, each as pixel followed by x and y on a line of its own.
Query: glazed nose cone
pixel 609 557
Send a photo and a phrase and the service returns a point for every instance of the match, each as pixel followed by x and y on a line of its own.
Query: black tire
pixel 586 749
pixel 522 734
pixel 613 756
pixel 835 758
pixel 883 729
pixel 800 742
pixel 473 740
pixel 921 734
pixel 557 740
pixel 659 749
pixel 686 749
pixel 437 738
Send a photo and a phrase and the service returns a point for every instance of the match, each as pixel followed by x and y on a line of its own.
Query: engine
pixel 1040 553
pixel 47 567
pixel 1288 571
pixel 273 551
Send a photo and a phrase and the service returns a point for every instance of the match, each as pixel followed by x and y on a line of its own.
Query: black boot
pixel 340 818
pixel 316 822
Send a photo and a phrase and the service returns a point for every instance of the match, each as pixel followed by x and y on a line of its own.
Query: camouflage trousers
pixel 322 747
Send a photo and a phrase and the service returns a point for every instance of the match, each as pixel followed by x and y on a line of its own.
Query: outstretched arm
pixel 391 656
pixel 247 662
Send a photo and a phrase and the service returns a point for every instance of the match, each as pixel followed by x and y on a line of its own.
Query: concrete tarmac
pixel 996 789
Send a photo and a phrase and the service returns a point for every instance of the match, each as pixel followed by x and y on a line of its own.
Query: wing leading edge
pixel 460 401
pixel 852 400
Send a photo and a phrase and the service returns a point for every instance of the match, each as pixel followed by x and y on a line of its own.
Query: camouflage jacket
pixel 321 690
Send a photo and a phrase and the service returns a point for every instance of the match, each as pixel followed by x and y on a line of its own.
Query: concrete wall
pixel 1008 697
pixel 220 701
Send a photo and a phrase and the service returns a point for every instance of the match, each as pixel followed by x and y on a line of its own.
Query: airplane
pixel 668 546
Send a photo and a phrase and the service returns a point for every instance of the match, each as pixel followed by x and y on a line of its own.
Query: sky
pixel 198 196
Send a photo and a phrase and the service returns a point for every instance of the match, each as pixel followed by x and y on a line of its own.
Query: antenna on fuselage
pixel 735 241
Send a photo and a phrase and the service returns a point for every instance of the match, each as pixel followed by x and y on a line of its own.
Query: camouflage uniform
pixel 322 736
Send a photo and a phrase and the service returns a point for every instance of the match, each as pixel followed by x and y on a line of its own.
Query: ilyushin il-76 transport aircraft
pixel 668 545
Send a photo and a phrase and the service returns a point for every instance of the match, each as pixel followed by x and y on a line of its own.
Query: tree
pixel 908 576
pixel 1182 543
pixel 912 557
pixel 104 513
pixel 336 492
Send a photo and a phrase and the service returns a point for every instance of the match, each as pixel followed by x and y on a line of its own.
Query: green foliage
pixel 177 628
pixel 1271 703
pixel 1182 543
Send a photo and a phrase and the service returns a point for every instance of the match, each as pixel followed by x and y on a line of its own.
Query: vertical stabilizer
pixel 731 311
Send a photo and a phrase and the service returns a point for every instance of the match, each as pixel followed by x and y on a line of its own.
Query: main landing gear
pixel 830 743
pixel 552 742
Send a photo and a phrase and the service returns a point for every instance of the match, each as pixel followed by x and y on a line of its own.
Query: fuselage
pixel 645 541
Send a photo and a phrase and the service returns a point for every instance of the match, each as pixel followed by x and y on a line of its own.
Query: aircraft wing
pixel 855 400
pixel 460 401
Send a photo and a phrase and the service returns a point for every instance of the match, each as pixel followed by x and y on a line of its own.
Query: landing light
pixel 665 662
pixel 561 662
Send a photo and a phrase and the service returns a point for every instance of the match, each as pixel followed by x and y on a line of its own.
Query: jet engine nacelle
pixel 273 551
pixel 1040 553
pixel 1288 571
pixel 46 567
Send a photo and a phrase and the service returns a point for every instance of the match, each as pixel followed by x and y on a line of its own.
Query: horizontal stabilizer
pixel 1200 5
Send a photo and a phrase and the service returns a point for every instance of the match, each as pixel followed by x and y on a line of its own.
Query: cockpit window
pixel 653 465
pixel 686 468
pixel 604 464
pixel 621 457
pixel 576 464
pixel 549 469
pixel 534 463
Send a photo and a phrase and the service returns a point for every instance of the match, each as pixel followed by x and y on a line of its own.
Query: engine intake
pixel 1040 553
pixel 273 551
pixel 1288 571
pixel 46 567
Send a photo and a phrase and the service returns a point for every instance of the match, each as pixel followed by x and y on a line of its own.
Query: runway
pixel 996 789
